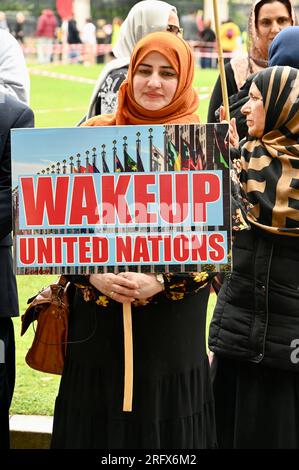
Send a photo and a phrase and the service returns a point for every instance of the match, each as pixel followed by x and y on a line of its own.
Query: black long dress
pixel 257 407
pixel 172 399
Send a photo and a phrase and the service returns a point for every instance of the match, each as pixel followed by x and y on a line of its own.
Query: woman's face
pixel 272 18
pixel 255 112
pixel 155 82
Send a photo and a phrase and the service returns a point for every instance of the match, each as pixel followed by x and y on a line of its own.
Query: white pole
pixel 82 11
pixel 208 12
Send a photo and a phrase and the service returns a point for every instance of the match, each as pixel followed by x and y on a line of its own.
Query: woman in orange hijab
pixel 178 68
pixel 173 406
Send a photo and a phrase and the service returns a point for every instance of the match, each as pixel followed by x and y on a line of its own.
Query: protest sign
pixel 105 199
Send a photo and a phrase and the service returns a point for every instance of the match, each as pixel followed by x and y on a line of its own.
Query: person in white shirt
pixel 14 76
pixel 89 40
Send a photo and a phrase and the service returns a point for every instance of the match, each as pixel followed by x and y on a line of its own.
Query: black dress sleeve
pixel 177 285
pixel 80 279
pixel 216 98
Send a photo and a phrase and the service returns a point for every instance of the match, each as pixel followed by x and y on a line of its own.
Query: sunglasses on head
pixel 172 28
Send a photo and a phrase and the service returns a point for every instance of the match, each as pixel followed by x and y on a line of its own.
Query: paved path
pixel 30 432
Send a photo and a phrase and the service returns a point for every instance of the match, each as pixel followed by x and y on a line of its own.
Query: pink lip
pixel 153 95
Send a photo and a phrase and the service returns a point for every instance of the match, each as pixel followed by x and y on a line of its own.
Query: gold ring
pixel 111 294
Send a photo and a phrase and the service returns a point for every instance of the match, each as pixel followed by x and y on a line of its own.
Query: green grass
pixel 61 103
pixel 58 103
pixel 205 79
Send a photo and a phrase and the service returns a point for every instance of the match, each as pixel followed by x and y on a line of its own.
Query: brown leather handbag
pixel 50 308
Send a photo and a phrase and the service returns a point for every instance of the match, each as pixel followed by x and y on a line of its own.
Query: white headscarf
pixel 145 17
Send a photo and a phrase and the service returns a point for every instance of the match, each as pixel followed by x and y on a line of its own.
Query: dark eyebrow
pixel 162 66
pixel 269 18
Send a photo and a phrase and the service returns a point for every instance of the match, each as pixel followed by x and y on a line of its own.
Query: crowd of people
pixel 49 36
pixel 59 38
pixel 245 394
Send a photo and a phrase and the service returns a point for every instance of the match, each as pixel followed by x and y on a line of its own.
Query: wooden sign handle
pixel 221 62
pixel 128 349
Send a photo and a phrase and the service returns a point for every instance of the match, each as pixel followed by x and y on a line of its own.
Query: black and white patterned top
pixel 107 95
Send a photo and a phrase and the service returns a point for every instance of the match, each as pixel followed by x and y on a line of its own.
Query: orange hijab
pixel 185 101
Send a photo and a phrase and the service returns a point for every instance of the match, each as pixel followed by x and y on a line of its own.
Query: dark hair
pixel 259 5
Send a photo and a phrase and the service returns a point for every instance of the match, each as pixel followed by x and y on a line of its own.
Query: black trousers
pixel 7 377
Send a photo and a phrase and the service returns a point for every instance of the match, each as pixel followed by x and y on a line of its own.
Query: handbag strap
pixel 62 281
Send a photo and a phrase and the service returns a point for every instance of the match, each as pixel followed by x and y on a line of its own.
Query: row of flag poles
pixel 184 158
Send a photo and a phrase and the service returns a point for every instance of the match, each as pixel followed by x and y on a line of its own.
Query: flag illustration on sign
pixel 82 169
pixel 173 157
pixel 118 165
pixel 88 169
pixel 221 138
pixel 187 156
pixel 200 156
pixel 105 166
pixel 157 153
pixel 130 164
pixel 157 159
pixel 140 166
pixel 95 169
